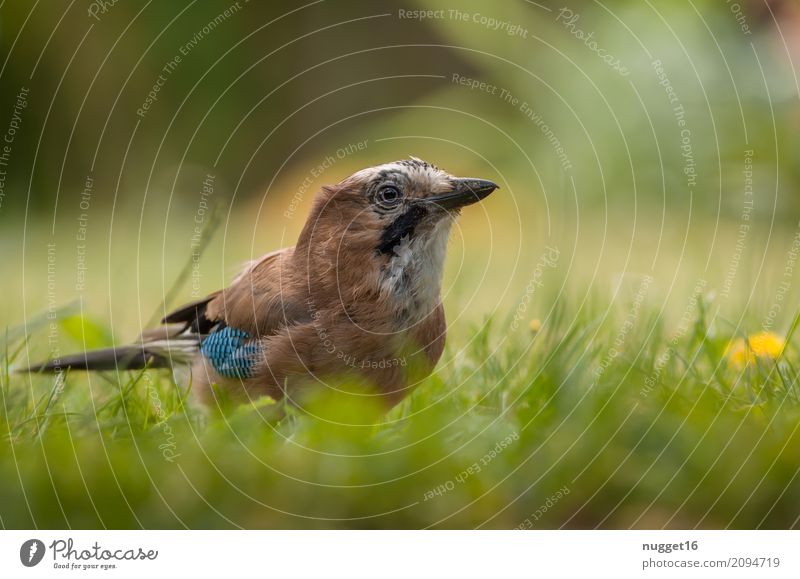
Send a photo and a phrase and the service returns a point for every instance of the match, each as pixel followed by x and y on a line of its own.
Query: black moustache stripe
pixel 403 225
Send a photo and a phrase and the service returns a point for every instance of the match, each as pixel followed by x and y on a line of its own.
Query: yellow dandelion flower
pixel 535 325
pixel 764 345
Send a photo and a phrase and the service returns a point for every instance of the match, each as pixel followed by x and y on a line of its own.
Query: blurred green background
pixel 263 96
pixel 679 160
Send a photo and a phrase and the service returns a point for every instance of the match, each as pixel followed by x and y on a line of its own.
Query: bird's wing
pixel 225 327
pixel 201 316
pixel 192 316
pixel 262 299
pixel 265 297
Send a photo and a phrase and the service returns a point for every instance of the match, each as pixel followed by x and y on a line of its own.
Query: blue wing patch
pixel 231 352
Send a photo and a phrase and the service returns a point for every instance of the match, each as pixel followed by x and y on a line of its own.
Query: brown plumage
pixel 358 296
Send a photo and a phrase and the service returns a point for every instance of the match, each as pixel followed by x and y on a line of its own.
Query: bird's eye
pixel 388 196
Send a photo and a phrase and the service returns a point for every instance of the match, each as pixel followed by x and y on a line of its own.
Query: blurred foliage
pixel 578 425
pixel 252 89
pixel 276 86
pixel 264 99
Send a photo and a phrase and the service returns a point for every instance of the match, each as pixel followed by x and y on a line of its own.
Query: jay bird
pixel 358 296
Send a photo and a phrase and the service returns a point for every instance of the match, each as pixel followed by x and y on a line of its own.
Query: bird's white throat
pixel 414 274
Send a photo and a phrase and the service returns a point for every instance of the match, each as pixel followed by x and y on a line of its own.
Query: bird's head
pixel 383 207
pixel 395 217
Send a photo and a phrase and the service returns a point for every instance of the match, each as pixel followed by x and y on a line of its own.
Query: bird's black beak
pixel 465 192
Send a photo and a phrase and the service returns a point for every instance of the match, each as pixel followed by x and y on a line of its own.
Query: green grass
pixel 591 422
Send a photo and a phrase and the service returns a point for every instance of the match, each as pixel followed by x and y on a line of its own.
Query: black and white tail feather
pixel 175 343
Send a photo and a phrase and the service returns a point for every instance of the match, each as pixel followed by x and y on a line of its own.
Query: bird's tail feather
pixel 132 357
